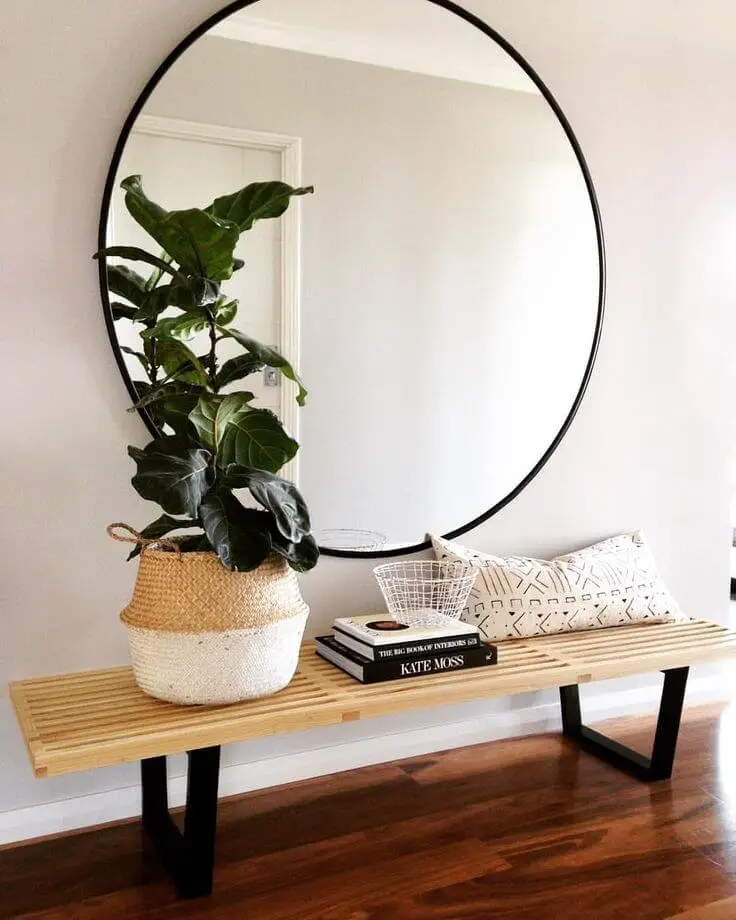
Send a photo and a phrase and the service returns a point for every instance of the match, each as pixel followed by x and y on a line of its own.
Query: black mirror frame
pixel 473 20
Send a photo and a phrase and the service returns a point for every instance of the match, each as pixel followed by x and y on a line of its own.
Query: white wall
pixel 648 88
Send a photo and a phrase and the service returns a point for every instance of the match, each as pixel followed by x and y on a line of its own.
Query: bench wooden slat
pixel 99 718
pixel 690 630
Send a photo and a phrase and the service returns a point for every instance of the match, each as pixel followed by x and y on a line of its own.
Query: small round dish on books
pixel 386 625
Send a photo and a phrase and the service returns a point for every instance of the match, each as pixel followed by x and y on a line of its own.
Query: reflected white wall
pixel 449 277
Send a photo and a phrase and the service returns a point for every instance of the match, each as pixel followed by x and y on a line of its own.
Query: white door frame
pixel 290 151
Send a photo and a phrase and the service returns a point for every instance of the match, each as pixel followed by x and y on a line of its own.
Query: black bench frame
pixel 647 769
pixel 188 857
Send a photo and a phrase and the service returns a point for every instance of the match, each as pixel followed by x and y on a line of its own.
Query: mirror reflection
pixel 438 291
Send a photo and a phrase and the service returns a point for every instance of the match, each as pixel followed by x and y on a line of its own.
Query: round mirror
pixel 440 292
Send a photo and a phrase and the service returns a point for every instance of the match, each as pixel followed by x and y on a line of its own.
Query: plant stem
pixel 213 354
pixel 153 374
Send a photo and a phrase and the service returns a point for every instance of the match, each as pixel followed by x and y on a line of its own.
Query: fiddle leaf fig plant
pixel 212 444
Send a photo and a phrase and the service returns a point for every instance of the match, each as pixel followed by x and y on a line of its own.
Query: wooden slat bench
pixel 98 718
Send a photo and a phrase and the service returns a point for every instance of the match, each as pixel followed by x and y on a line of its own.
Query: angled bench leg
pixel 188 857
pixel 648 769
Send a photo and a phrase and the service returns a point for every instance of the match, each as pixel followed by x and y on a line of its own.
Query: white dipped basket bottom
pixel 200 634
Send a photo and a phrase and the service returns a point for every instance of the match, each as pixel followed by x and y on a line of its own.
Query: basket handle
pixel 139 539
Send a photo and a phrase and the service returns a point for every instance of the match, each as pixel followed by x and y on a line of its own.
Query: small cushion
pixel 612 583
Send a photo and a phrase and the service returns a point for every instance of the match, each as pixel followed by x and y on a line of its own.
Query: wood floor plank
pixel 720 910
pixel 572 896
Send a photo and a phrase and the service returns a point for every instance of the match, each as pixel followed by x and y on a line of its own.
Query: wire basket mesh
pixel 424 592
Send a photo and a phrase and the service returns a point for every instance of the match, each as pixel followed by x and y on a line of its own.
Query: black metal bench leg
pixel 648 769
pixel 188 857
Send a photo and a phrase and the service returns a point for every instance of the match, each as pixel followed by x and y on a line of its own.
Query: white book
pixel 377 636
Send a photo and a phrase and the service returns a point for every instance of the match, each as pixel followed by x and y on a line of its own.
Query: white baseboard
pixel 125 802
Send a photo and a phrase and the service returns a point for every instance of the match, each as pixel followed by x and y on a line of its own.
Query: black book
pixel 444 644
pixel 371 672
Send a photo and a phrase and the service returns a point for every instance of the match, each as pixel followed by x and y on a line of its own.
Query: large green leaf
pixel 237 369
pixel 160 527
pixel 256 201
pixel 203 416
pixel 139 355
pixel 301 556
pixel 213 413
pixel 192 295
pixel 239 536
pixel 156 301
pixel 166 390
pixel 123 311
pixel 200 242
pixel 126 283
pixel 157 273
pixel 268 356
pixel 177 294
pixel 204 292
pixel 135 254
pixel 180 362
pixel 146 394
pixel 255 438
pixel 184 326
pixel 174 472
pixel 227 312
pixel 144 212
pixel 197 543
pixel 174 411
pixel 279 496
pixel 231 408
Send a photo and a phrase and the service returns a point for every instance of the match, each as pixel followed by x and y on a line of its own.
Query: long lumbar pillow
pixel 612 583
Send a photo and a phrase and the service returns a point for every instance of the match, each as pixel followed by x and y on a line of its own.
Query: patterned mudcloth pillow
pixel 612 583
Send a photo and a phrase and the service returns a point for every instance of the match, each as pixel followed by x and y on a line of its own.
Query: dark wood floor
pixel 528 829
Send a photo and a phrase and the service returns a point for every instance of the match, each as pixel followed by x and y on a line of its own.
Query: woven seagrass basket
pixel 199 633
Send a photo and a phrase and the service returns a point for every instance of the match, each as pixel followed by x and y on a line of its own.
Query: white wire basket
pixel 424 592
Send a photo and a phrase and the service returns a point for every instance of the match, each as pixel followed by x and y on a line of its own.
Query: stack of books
pixel 372 649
